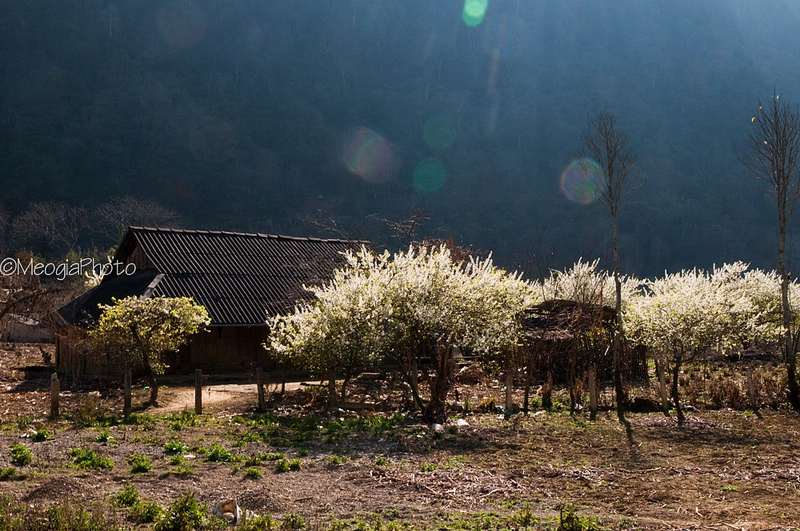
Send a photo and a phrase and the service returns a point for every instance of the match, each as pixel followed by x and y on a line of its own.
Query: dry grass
pixel 725 469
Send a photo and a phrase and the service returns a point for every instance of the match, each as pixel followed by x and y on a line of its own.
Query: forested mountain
pixel 284 115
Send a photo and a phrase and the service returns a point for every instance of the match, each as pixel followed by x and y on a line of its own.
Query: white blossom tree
pixel 412 307
pixel 683 315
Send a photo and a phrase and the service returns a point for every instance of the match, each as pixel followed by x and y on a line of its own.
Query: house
pixel 241 279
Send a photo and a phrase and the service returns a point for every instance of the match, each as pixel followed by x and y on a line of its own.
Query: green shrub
pixel 282 466
pixel 128 497
pixel 217 453
pixel 570 520
pixel 258 523
pixel 139 464
pixel 20 455
pixel 88 459
pixel 104 437
pixel 42 435
pixel 147 422
pixel 144 512
pixel 253 473
pixel 335 460
pixel 285 465
pixel 183 514
pixel 293 521
pixel 8 473
pixel 175 447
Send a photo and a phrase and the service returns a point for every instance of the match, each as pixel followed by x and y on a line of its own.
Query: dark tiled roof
pixel 84 310
pixel 239 278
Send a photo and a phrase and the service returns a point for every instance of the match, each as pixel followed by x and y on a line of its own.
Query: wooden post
pixel 509 391
pixel 262 403
pixel 662 384
pixel 592 391
pixel 751 389
pixel 198 391
pixel 55 391
pixel 126 405
pixel 528 382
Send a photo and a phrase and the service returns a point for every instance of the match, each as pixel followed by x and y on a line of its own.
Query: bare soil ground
pixel 725 469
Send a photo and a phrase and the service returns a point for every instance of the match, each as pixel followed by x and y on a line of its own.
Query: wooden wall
pixel 225 349
pixel 220 349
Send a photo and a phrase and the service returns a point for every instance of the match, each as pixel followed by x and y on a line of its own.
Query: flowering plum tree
pixel 413 307
pixel 683 315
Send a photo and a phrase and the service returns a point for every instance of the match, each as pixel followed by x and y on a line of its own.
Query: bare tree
pixel 771 149
pixel 609 147
pixel 25 299
pixel 115 216
pixel 407 230
pixel 54 226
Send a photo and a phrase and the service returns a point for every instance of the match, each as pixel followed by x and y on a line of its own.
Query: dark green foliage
pixel 217 454
pixel 62 516
pixel 42 435
pixel 141 511
pixel 20 455
pixel 203 107
pixel 184 514
pixel 83 458
pixel 140 464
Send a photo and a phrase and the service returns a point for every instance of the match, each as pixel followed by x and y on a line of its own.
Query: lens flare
pixel 429 176
pixel 474 11
pixel 439 132
pixel 370 156
pixel 581 181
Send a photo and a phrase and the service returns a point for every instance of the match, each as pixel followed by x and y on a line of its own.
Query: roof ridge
pixel 246 234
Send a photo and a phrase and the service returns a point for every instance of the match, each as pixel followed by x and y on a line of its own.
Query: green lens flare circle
pixel 474 11
pixel 429 176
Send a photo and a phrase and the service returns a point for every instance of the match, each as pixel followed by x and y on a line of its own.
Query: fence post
pixel 126 404
pixel 260 387
pixel 508 410
pixel 592 391
pixel 198 391
pixel 55 391
pixel 751 388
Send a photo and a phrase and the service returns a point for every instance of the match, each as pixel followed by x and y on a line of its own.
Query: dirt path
pixel 215 396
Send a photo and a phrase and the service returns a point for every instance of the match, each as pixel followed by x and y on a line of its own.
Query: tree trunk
pixel 662 385
pixel 676 370
pixel 592 392
pixel 436 410
pixel 151 381
pixel 789 351
pixel 618 336
pixel 332 399
pixel 412 376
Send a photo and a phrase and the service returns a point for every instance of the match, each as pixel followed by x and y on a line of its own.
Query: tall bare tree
pixel 771 149
pixel 115 216
pixel 609 147
pixel 54 227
